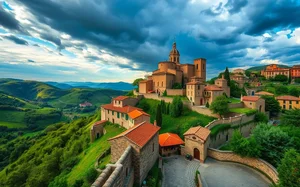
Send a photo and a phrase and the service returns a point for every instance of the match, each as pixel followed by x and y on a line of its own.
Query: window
pixel 283 106
pixel 118 115
pixel 290 106
pixel 197 66
pixel 283 101
pixel 290 102
pixel 126 116
pixel 107 111
pixel 198 87
pixel 112 112
pixel 297 102
pixel 250 103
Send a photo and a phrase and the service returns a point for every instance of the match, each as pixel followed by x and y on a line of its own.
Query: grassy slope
pixel 12 119
pixel 240 110
pixel 89 157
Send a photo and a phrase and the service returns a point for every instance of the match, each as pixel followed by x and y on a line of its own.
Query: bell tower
pixel 200 68
pixel 174 54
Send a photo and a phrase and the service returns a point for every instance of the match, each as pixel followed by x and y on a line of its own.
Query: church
pixel 183 79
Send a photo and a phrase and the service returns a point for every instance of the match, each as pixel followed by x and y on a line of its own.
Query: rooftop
pixel 199 131
pixel 250 98
pixel 169 139
pixel 120 98
pixel 139 134
pixel 100 122
pixel 288 98
pixel 137 113
pixel 212 88
pixel 125 109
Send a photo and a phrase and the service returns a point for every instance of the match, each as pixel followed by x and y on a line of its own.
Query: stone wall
pixel 119 174
pixel 97 131
pixel 237 120
pixel 176 92
pixel 236 105
pixel 256 163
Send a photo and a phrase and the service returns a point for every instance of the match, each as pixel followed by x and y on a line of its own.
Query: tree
pixel 281 90
pixel 136 82
pixel 281 78
pixel 227 76
pixel 168 108
pixel 297 80
pixel 158 115
pixel 143 104
pixel 235 90
pixel 273 142
pixel 165 93
pixel 176 107
pixel 207 105
pixel 294 92
pixel 272 105
pixel 288 169
pixel 291 117
pixel 261 117
pixel 220 105
pixel 91 175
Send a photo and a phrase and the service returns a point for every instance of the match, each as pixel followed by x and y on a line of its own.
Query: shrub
pixel 78 183
pixel 177 86
pixel 261 117
pixel 281 78
pixel 251 112
pixel 176 108
pixel 91 175
pixel 165 93
pixel 207 105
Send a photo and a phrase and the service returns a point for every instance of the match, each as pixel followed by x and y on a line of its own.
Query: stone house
pixel 143 138
pixel 169 144
pixel 196 140
pixel 272 70
pixel 97 130
pixel 122 111
pixel 254 102
pixel 288 102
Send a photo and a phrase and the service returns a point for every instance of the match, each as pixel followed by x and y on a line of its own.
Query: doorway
pixel 196 154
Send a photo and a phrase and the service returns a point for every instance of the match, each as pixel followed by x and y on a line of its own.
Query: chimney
pixel 154 123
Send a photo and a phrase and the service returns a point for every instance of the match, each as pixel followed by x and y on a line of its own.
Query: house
pixel 143 138
pixel 241 79
pixel 288 102
pixel 295 72
pixel 169 143
pixel 122 111
pixel 272 70
pixel 254 102
pixel 239 71
pixel 261 93
pixel 85 104
pixel 97 130
pixel 196 140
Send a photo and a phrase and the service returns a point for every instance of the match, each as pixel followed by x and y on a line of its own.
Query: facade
pixel 254 102
pixel 272 70
pixel 239 78
pixel 122 112
pixel 171 72
pixel 288 102
pixel 295 71
pixel 97 130
pixel 197 140
pixel 143 138
pixel 239 71
pixel 169 144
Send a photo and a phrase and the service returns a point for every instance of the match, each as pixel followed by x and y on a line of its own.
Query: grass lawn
pixel 88 158
pixel 240 110
pixel 12 116
pixel 183 98
pixel 234 100
pixel 12 124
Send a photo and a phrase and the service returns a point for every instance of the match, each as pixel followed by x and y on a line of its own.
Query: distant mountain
pixel 259 68
pixel 107 85
pixel 60 85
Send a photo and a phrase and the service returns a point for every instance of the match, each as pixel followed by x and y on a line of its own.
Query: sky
pixel 121 40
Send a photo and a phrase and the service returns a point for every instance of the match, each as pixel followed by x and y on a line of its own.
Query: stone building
pixel 239 78
pixel 143 138
pixel 272 70
pixel 239 71
pixel 288 102
pixel 196 140
pixel 295 71
pixel 169 144
pixel 254 102
pixel 122 111
pixel 97 130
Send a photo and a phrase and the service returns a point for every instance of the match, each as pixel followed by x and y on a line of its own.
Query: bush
pixel 165 93
pixel 281 78
pixel 177 86
pixel 251 112
pixel 91 175
pixel 261 117
pixel 78 183
pixel 143 105
pixel 281 90
pixel 207 105
pixel 176 108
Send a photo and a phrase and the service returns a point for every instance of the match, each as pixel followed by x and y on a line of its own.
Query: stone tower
pixel 174 54
pixel 200 68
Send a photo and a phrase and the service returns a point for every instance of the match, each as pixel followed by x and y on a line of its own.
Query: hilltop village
pixel 135 151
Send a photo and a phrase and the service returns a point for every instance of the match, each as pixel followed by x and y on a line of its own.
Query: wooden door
pixel 196 154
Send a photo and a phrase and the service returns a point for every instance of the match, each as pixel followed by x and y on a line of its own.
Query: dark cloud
pixel 16 40
pixel 54 39
pixel 8 21
pixel 214 11
pixel 235 6
pixel 30 60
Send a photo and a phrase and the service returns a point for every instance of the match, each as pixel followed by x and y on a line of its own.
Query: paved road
pixel 179 172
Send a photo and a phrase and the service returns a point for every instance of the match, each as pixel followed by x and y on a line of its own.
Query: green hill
pixel 31 90
pixel 259 68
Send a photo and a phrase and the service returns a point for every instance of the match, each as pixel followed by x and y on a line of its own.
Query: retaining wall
pixel 234 121
pixel 176 92
pixel 256 163
pixel 236 105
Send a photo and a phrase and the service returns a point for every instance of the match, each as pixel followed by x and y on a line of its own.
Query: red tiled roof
pixel 250 98
pixel 120 98
pixel 139 134
pixel 137 113
pixel 212 88
pixel 100 122
pixel 264 93
pixel 126 109
pixel 169 139
pixel 288 98
pixel 199 131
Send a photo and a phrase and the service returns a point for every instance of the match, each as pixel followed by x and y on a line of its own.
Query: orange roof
pixel 120 98
pixel 139 134
pixel 264 93
pixel 250 98
pixel 169 139
pixel 126 109
pixel 199 131
pixel 288 97
pixel 137 113
pixel 212 88
pixel 100 122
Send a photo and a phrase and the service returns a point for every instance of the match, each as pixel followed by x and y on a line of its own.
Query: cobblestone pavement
pixel 227 174
pixel 179 172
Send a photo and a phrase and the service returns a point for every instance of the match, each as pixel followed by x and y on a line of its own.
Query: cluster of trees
pixel 220 105
pixel 271 105
pixel 283 90
pixel 32 117
pixel 279 78
pixel 10 101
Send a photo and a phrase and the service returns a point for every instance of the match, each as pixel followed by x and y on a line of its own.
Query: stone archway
pixel 196 154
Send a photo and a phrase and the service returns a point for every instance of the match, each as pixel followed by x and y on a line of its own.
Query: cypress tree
pixel 227 76
pixel 158 116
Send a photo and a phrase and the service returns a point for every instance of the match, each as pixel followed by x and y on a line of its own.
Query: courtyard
pixel 179 172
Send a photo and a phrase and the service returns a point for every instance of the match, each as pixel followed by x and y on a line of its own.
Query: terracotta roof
pixel 212 88
pixel 264 93
pixel 125 109
pixel 139 134
pixel 169 139
pixel 162 73
pixel 250 98
pixel 194 83
pixel 199 131
pixel 288 97
pixel 137 113
pixel 120 98
pixel 100 122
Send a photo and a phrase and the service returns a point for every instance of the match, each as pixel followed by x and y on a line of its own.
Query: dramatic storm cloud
pixel 93 40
